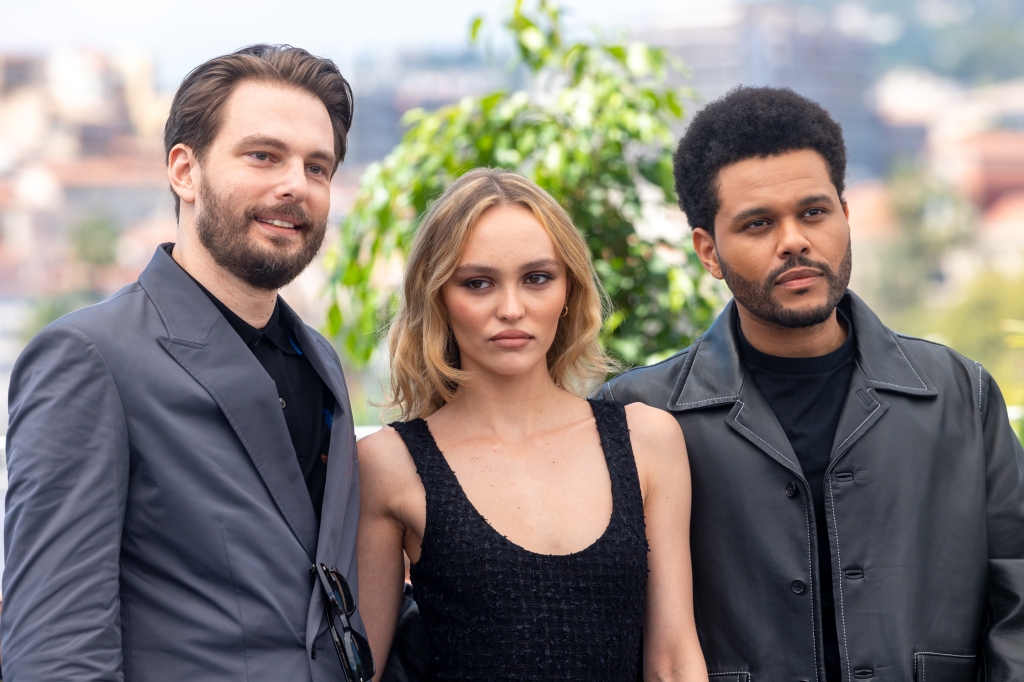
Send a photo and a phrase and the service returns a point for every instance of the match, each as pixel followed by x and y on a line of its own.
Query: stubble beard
pixel 759 297
pixel 224 232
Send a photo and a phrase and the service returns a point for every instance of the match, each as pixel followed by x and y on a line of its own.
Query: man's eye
pixel 815 212
pixel 260 156
pixel 758 223
pixel 317 170
pixel 537 278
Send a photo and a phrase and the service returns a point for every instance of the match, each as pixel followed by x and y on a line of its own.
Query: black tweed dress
pixel 495 611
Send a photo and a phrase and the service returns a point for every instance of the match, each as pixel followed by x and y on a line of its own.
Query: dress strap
pixel 439 482
pixel 627 498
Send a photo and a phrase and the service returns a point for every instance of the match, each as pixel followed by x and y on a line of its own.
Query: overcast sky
pixel 182 33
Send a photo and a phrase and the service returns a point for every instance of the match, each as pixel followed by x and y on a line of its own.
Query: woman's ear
pixel 181 161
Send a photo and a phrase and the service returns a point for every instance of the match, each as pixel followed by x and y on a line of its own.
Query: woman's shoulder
pixel 651 420
pixel 383 451
pixel 657 441
pixel 380 442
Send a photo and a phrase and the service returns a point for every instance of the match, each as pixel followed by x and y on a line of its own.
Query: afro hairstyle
pixel 750 122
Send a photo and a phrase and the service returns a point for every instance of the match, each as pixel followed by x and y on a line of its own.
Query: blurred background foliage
pixel 931 220
pixel 595 128
pixel 983 318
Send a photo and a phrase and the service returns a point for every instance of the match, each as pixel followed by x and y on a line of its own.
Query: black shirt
pixel 307 402
pixel 807 397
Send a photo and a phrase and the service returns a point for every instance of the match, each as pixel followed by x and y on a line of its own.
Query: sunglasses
pixel 352 647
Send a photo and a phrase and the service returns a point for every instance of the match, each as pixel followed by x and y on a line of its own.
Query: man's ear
pixel 181 161
pixel 846 208
pixel 704 245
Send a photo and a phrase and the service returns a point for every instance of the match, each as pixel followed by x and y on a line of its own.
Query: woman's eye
pixel 477 284
pixel 537 278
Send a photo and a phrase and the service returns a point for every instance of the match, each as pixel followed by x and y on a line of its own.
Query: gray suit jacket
pixel 158 526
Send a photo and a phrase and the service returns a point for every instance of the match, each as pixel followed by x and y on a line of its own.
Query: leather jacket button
pixel 791 490
pixel 798 586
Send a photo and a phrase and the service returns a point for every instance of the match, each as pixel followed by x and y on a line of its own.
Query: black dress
pixel 496 611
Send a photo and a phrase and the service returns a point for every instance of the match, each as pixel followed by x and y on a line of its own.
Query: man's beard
pixel 225 234
pixel 760 300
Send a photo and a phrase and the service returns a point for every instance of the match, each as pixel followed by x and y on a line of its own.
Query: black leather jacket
pixel 924 500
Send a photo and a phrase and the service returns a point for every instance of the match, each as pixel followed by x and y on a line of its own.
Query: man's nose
pixel 792 239
pixel 293 185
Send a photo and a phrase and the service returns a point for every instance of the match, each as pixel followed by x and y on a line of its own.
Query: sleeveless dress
pixel 495 611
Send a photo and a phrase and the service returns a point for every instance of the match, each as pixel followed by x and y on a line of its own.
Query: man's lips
pixel 799 278
pixel 511 338
pixel 283 222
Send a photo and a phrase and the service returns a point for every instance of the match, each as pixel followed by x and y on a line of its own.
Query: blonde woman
pixel 548 535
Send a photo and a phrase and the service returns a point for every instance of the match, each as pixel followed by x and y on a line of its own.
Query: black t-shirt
pixel 307 403
pixel 807 396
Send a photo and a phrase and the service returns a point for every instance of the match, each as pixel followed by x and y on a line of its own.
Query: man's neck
pixel 253 305
pixel 784 342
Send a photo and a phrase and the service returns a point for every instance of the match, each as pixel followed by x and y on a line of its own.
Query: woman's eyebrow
pixel 479 269
pixel 475 269
pixel 538 264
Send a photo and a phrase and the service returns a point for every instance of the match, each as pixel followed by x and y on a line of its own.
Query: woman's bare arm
pixel 671 648
pixel 384 470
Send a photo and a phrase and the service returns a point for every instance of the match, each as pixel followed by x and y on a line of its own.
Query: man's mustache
pixel 797 262
pixel 295 213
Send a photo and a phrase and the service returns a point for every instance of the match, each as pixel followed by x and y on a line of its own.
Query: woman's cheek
pixel 466 316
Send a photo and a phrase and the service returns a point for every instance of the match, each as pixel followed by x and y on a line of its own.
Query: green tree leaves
pixel 595 130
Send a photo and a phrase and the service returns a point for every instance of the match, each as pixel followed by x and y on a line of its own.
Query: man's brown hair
pixel 196 109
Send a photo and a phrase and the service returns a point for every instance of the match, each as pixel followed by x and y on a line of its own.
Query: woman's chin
pixel 512 365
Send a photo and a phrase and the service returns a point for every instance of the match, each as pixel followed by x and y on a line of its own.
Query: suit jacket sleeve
pixel 67 458
pixel 1002 647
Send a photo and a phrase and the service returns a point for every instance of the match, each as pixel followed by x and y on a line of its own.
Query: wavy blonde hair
pixel 425 372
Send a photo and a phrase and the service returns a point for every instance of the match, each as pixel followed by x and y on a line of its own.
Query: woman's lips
pixel 511 339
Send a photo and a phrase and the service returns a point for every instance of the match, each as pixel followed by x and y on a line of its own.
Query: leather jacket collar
pixel 713 372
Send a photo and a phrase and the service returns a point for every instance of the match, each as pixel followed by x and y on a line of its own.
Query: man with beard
pixel 858 495
pixel 182 454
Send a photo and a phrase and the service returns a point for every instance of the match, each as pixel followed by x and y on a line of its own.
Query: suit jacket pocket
pixel 933 667
pixel 729 677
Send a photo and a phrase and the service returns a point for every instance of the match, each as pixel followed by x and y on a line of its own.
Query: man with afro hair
pixel 858 495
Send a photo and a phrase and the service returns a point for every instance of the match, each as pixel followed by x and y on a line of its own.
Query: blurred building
pixel 821 55
pixel 79 140
pixel 1001 233
pixel 387 87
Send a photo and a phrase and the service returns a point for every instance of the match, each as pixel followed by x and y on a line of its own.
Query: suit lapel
pixel 206 346
pixel 340 514
pixel 321 358
pixel 341 460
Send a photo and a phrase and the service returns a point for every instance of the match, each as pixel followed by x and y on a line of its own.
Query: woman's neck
pixel 512 406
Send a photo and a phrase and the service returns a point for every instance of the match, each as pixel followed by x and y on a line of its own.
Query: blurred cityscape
pixel 930 95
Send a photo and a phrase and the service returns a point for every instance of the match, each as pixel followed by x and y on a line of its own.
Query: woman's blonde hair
pixel 425 372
